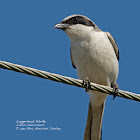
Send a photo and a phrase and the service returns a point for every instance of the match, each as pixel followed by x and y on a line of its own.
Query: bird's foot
pixel 115 89
pixel 86 84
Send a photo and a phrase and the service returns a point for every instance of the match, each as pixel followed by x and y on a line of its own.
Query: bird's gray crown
pixel 78 19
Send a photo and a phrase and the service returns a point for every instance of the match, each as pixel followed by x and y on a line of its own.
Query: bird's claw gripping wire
pixel 115 89
pixel 86 84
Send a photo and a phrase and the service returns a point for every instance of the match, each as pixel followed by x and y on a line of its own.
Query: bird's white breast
pixel 95 58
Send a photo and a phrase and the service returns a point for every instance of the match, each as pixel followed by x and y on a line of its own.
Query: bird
pixel 95 56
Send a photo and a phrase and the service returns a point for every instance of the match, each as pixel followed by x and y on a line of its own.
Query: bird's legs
pixel 86 84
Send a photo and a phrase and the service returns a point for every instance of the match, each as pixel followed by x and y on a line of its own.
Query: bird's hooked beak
pixel 61 26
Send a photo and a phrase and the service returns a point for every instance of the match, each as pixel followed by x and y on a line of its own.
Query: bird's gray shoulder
pixel 114 44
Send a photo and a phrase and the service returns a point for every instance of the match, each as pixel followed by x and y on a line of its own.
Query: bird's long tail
pixel 94 122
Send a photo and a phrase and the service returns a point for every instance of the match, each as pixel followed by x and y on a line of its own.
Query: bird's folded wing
pixel 72 60
pixel 113 42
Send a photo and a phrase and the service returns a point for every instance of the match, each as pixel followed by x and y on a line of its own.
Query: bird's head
pixel 77 26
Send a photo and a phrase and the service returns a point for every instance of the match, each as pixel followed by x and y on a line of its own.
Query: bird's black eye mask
pixel 78 20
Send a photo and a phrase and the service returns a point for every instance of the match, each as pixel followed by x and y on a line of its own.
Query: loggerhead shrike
pixel 95 56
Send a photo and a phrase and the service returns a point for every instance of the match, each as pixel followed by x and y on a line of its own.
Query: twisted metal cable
pixel 66 80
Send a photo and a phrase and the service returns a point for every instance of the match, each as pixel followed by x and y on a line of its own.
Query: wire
pixel 67 80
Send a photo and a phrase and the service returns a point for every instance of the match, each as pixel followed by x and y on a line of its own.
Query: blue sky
pixel 27 37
